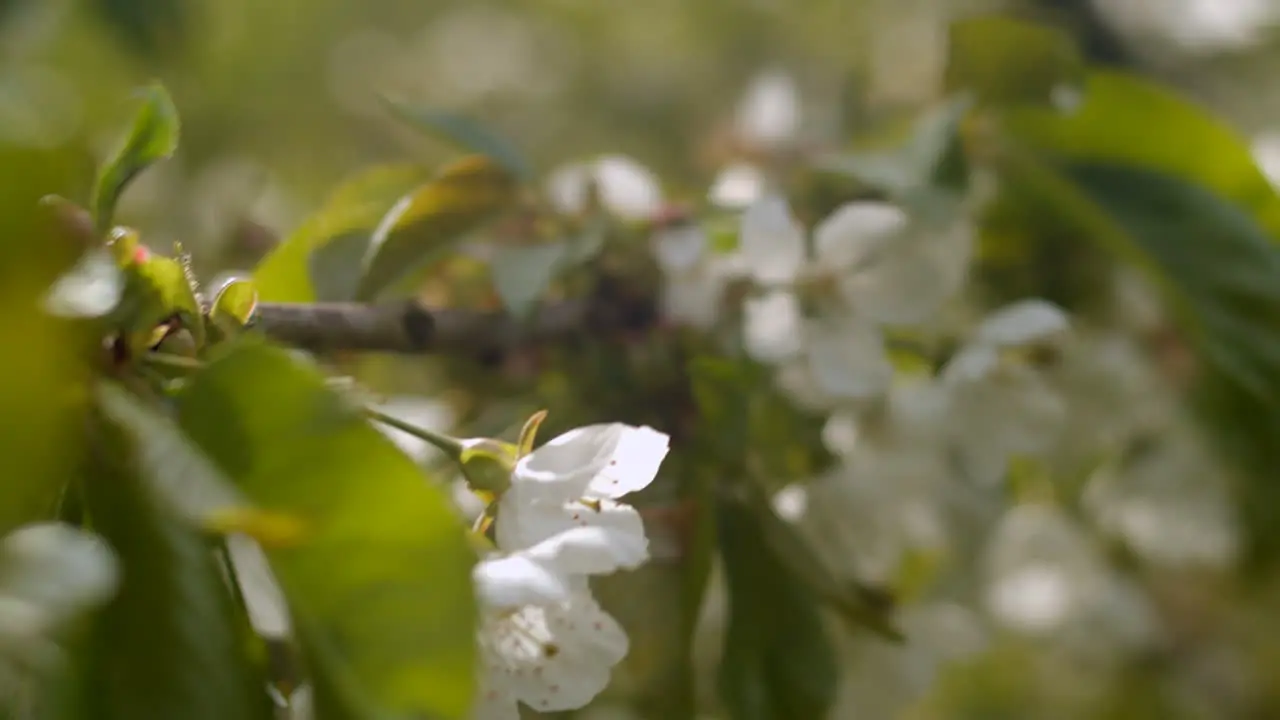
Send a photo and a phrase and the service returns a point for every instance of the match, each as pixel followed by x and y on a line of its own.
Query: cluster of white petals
pixel 886 270
pixel 544 640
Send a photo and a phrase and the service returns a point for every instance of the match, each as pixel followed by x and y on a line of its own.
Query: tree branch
pixel 411 328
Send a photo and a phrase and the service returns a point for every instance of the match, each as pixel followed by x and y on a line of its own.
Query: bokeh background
pixel 1126 597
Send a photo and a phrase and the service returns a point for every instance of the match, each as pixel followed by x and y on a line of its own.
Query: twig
pixel 411 328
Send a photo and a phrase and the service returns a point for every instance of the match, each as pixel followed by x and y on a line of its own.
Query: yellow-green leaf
pixel 379 583
pixel 153 137
pixel 431 218
pixel 355 207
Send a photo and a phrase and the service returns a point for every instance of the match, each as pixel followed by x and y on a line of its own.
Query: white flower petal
pixel 89 289
pixel 535 523
pixel 515 580
pixel 737 186
pixel 495 704
pixel 58 567
pixel 561 469
pixel 772 326
pixel 769 113
pixel 911 278
pixel 634 463
pixel 1022 323
pixel 771 241
pixel 593 549
pixel 855 231
pixel 627 188
pixel 567 187
pixel 971 364
pixel 1035 599
pixel 848 359
pixel 678 249
pixel 551 658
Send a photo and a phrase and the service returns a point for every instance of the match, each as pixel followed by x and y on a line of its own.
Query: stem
pixel 444 443
pixel 174 362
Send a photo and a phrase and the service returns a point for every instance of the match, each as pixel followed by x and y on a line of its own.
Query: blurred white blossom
pixel 625 187
pixel 694 279
pixel 1042 571
pixel 737 186
pixel 49 574
pixel 1001 404
pixel 887 272
pixel 769 112
pixel 1170 502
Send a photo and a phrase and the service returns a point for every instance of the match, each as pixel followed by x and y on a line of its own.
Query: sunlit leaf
pixel 233 305
pixel 178 475
pixel 468 134
pixel 432 218
pixel 167 645
pixel 157 289
pixel 153 137
pixel 1127 120
pixel 354 208
pixel 380 584
pixel 44 371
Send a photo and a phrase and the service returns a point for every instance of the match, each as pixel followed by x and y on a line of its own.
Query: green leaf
pixel 380 585
pixel 178 475
pixel 522 274
pixel 1127 120
pixel 44 375
pixel 468 134
pixel 233 306
pixel 153 137
pixel 1002 60
pixel 157 289
pixel 778 662
pixel 167 645
pixel 354 209
pixel 431 219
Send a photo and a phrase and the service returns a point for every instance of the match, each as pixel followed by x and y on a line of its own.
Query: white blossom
pixel 738 185
pixel 552 656
pixel 544 640
pixel 693 279
pixel 888 272
pixel 773 326
pixel 771 242
pixel 49 574
pixel 1001 406
pixel 626 188
pixel 769 113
